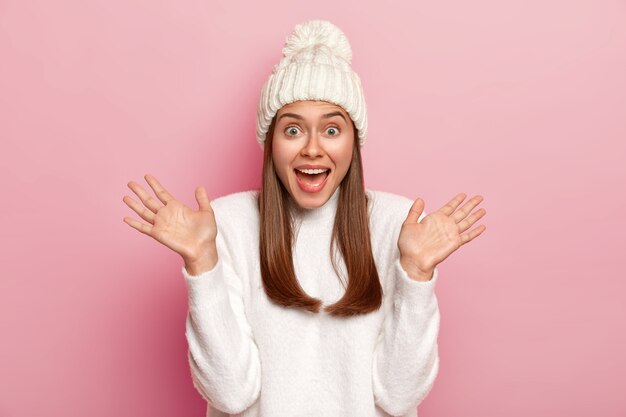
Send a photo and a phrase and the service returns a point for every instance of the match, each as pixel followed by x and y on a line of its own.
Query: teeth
pixel 312 171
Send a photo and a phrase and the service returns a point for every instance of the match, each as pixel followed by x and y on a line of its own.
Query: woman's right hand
pixel 189 233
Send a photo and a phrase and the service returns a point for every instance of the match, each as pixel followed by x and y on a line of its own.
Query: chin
pixel 310 205
pixel 311 200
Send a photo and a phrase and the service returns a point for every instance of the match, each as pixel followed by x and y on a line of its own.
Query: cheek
pixel 281 159
pixel 344 157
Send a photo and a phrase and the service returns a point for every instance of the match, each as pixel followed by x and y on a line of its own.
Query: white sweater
pixel 252 358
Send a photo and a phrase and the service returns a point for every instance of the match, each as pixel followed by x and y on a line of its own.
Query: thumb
pixel 415 211
pixel 203 199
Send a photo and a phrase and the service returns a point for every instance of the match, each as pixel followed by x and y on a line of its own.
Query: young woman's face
pixel 315 133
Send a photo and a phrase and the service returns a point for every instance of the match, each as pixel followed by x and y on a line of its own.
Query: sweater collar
pixel 327 210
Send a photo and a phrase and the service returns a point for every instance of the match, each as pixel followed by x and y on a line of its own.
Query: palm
pixel 435 238
pixel 173 224
pixel 440 233
pixel 181 228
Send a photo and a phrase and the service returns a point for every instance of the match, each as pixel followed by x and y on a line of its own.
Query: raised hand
pixel 425 244
pixel 188 232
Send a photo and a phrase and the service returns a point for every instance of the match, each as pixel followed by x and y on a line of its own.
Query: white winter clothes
pixel 252 358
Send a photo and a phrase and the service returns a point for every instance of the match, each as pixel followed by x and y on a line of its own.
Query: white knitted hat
pixel 315 66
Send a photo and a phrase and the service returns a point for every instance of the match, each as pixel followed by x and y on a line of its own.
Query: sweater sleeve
pixel 406 359
pixel 223 356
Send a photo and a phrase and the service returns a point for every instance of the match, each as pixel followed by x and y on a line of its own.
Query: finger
pixel 160 192
pixel 143 212
pixel 462 213
pixel 146 198
pixel 143 228
pixel 449 208
pixel 469 236
pixel 470 220
pixel 204 204
pixel 415 211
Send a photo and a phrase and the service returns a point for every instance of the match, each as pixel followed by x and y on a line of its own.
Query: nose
pixel 312 147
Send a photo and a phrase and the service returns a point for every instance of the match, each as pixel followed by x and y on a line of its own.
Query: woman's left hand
pixel 425 244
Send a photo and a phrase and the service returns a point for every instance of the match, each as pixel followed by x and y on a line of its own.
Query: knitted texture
pixel 250 357
pixel 315 66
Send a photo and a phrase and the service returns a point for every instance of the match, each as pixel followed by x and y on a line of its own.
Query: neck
pixel 327 210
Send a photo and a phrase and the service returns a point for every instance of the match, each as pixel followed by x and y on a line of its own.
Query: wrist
pixel 415 271
pixel 201 263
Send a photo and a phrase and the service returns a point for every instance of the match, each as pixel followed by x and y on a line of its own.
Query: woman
pixel 331 311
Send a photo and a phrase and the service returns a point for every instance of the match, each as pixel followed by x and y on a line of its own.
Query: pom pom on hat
pixel 315 66
pixel 316 32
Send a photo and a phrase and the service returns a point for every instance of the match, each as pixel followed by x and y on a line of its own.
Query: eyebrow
pixel 324 116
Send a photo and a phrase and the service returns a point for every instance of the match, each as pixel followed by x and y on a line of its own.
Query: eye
pixel 332 128
pixel 290 130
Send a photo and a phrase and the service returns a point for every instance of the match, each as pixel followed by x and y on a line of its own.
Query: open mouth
pixel 312 179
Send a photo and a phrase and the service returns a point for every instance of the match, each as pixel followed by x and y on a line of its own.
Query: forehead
pixel 304 106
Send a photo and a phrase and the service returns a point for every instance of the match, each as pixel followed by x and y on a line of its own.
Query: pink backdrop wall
pixel 523 102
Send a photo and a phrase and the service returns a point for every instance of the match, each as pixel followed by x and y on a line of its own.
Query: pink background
pixel 523 102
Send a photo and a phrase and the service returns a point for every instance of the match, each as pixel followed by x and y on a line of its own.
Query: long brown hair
pixel 350 232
